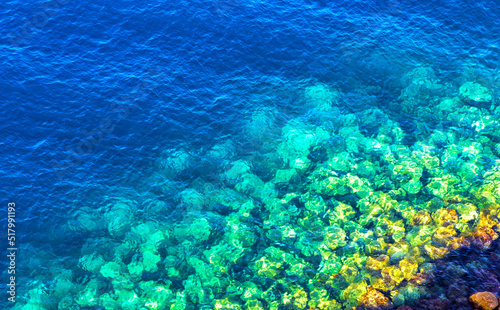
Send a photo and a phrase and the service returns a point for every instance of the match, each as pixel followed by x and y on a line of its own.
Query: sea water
pixel 236 154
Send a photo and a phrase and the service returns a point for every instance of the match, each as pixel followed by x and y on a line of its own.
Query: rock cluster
pixel 332 208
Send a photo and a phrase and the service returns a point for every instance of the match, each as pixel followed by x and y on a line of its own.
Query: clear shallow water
pixel 229 82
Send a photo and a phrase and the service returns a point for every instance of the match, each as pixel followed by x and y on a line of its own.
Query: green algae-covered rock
pixel 67 303
pixel 376 246
pixel 488 193
pixel 413 186
pixel 286 176
pixel 447 104
pixel 443 186
pixel 242 236
pixel 316 296
pixel 88 297
pixel 475 92
pixel 135 268
pixel 355 141
pixel 361 187
pixel 199 229
pixel 223 254
pixel 250 291
pixel 272 297
pixel 396 230
pixel 229 198
pixel 352 294
pixel 254 304
pixel 111 270
pixel 92 262
pixel 247 207
pixel 467 211
pixel 148 231
pixel 298 138
pixel 194 290
pixel 180 302
pixel 470 148
pixel 274 235
pixel 156 296
pixel 469 172
pixel 122 283
pixel 238 169
pixel 398 250
pixel 331 265
pixel 331 186
pixel 192 200
pixel 420 235
pixel 250 184
pixel 128 299
pixel 382 223
pixel 307 246
pixel 314 203
pixel 341 213
pixel 406 170
pixel 269 189
pixel 268 268
pixel 297 265
pixel 406 295
pixel 351 226
pixel 362 235
pixel 64 285
pixel 150 261
pixel 349 272
pixel 366 170
pixel 371 208
pixel 311 222
pixel 355 259
pixel 109 302
pixel 334 237
pixel 422 86
pixel 412 293
pixel 424 155
pixel 279 217
pixel 338 163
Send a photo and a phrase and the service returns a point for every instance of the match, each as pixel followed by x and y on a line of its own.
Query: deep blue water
pixel 149 77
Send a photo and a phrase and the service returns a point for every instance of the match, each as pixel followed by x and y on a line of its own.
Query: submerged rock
pixel 475 92
pixel 484 301
pixel 321 97
pixel 375 300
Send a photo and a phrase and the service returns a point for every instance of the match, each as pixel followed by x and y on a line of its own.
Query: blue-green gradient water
pixel 231 154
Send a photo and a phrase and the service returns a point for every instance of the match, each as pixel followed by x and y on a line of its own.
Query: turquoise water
pixel 248 155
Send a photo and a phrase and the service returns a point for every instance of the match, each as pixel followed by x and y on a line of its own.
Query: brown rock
pixel 483 237
pixel 484 301
pixel 445 217
pixel 420 278
pixel 375 300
